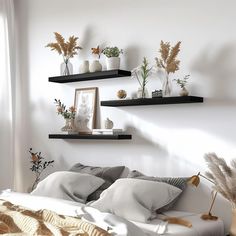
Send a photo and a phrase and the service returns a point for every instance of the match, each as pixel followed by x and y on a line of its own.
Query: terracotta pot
pixel 233 223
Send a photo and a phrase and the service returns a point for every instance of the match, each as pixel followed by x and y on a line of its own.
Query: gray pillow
pixel 179 182
pixel 68 185
pixel 108 174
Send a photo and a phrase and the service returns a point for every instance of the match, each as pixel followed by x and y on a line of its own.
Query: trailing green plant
pixel 142 73
pixel 112 51
pixel 61 110
pixel 182 82
pixel 38 165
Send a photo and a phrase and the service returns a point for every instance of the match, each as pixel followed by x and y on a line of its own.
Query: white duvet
pixel 118 225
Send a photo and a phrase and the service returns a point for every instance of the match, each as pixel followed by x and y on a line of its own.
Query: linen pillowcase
pixel 108 174
pixel 68 185
pixel 179 182
pixel 136 199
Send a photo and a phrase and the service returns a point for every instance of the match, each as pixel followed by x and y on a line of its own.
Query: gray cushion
pixel 68 185
pixel 109 174
pixel 179 182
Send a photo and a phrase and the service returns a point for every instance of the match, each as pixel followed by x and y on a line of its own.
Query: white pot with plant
pixel 182 83
pixel 96 65
pixel 141 73
pixel 112 57
pixel 67 49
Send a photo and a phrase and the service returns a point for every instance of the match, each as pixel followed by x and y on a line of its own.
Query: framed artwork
pixel 86 107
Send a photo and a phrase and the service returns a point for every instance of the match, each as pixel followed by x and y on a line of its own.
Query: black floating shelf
pixel 90 136
pixel 152 101
pixel 108 74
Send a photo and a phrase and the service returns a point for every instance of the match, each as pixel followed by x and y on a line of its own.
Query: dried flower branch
pixel 168 60
pixel 223 175
pixel 97 51
pixel 67 49
pixel 61 110
pixel 38 166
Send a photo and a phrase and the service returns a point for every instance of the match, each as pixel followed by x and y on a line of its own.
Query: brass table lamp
pixel 195 180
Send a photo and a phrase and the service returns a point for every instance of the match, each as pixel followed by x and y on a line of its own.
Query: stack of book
pixel 107 131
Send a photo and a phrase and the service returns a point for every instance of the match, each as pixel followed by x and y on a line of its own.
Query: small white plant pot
pixel 113 63
pixel 95 66
pixel 84 67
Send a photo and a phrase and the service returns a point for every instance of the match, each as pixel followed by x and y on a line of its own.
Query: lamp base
pixel 209 216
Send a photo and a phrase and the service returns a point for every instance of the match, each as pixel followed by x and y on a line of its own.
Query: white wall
pixel 167 140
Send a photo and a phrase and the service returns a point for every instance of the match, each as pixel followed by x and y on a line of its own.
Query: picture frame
pixel 85 104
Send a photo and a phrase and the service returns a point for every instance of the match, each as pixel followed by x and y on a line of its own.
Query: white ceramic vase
pixel 183 92
pixel 84 67
pixel 113 63
pixel 95 66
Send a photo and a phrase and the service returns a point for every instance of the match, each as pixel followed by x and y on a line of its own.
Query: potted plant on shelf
pixel 69 116
pixel 96 65
pixel 169 63
pixel 142 73
pixel 112 57
pixel 182 83
pixel 67 49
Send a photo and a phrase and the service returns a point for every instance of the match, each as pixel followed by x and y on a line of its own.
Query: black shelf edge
pixel 108 74
pixel 152 101
pixel 90 136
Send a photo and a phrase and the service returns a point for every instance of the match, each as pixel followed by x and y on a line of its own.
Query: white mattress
pixel 121 226
pixel 199 227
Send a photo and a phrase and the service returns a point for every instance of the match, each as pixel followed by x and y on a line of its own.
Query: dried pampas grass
pixel 223 175
pixel 66 49
pixel 168 60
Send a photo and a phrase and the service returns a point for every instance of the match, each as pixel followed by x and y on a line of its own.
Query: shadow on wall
pixel 217 66
pixel 132 55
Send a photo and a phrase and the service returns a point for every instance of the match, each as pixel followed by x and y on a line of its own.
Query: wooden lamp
pixel 195 180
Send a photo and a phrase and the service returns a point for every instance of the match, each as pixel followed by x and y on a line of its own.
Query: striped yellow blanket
pixel 16 220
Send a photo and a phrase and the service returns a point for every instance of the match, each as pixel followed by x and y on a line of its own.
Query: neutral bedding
pixel 116 224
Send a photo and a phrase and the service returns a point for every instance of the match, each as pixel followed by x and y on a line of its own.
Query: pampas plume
pixel 223 175
pixel 168 60
pixel 68 49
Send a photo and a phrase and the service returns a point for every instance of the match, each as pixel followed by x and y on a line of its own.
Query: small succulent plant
pixel 112 51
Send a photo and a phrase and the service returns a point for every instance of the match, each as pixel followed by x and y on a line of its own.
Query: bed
pixel 119 206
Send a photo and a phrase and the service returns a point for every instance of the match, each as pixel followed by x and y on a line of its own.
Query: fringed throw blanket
pixel 16 220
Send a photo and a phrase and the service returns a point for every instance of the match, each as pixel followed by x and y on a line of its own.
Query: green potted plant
pixel 141 73
pixel 182 83
pixel 112 57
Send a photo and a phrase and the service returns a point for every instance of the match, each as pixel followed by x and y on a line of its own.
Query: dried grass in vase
pixel 223 175
pixel 169 63
pixel 67 49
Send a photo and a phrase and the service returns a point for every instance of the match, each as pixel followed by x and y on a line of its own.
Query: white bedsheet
pixel 119 226
pixel 199 227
